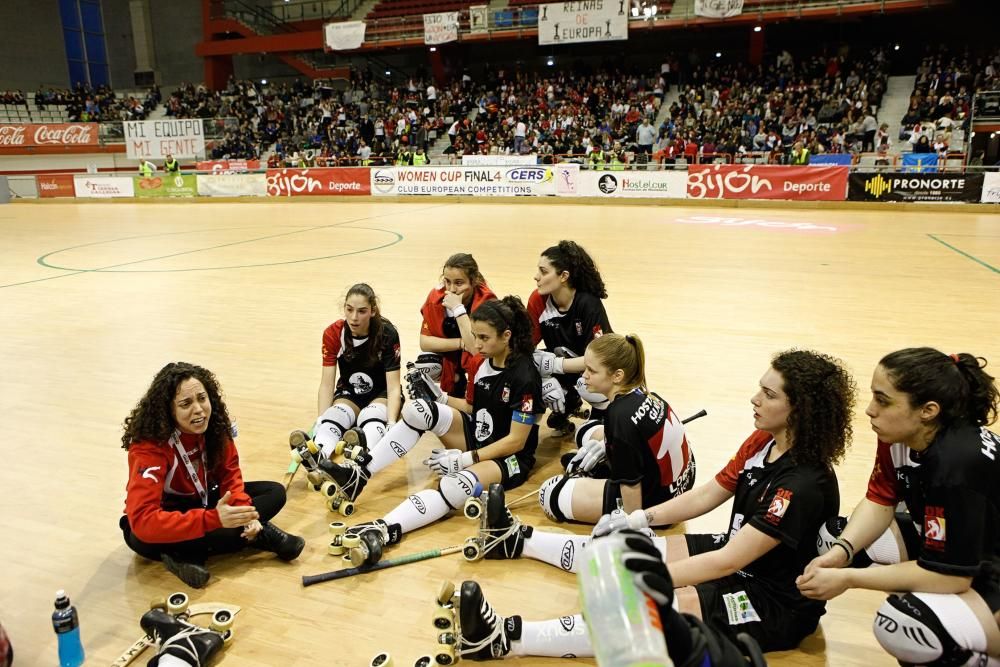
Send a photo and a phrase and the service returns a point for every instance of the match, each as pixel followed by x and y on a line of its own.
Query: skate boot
pixel 560 424
pixel 192 574
pixel 501 534
pixel 469 628
pixel 345 481
pixel 286 546
pixel 363 544
pixel 194 645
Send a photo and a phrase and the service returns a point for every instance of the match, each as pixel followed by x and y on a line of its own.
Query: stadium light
pixel 896 47
pixel 387 73
pixel 263 82
pixel 757 28
pixel 550 62
pixel 433 49
pixel 718 54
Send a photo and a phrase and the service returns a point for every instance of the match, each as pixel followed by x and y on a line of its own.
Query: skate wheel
pixel 222 620
pixel 297 438
pixel 312 447
pixel 328 489
pixel 381 660
pixel 444 619
pixel 423 661
pixel 445 654
pixel 227 636
pixel 337 528
pixel 472 551
pixel 346 509
pixel 177 603
pixel 473 508
pixel 338 449
pixel 296 456
pixel 351 541
pixel 158 603
pixel 357 556
pixel 314 478
pixel 354 452
pixel 445 593
pixel 335 549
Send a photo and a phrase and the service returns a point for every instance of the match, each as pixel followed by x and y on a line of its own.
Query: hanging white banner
pixel 344 36
pixel 156 139
pixel 478 18
pixel 440 28
pixel 718 9
pixel 584 21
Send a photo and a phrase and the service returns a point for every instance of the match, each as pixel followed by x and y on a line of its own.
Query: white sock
pixel 330 427
pixel 397 441
pixel 561 550
pixel 419 510
pixel 556 638
pixel 172 661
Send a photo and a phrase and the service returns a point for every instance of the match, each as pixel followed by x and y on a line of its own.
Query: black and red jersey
pixel 582 322
pixel 437 323
pixel 358 376
pixel 647 444
pixel 502 395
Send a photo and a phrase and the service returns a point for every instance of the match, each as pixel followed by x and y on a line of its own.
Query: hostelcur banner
pixel 155 139
pixel 440 28
pixel 584 21
pixel 760 181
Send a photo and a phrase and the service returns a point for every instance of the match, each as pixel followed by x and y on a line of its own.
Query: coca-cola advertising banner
pixel 228 166
pixel 325 181
pixel 761 181
pixel 55 185
pixel 22 135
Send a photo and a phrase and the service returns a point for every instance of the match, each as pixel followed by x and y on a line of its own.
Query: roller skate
pixel 386 660
pixel 340 483
pixel 469 628
pixel 362 545
pixel 195 575
pixel 501 534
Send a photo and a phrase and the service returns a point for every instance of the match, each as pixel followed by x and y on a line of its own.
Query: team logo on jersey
pixel 934 528
pixel 598 331
pixel 505 394
pixel 527 404
pixel 361 383
pixel 147 473
pixel 779 505
pixel 395 350
pixel 578 325
pixel 484 425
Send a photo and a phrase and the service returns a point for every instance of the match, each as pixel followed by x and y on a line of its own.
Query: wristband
pixel 458 311
pixel 846 546
pixel 475 456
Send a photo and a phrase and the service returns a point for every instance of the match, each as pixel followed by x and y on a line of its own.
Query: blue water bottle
pixel 66 623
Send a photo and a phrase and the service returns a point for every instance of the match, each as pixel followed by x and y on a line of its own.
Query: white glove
pixel 618 520
pixel 553 395
pixel 418 386
pixel 597 401
pixel 447 461
pixel 548 363
pixel 589 455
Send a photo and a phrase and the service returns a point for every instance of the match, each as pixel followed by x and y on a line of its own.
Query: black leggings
pixel 267 497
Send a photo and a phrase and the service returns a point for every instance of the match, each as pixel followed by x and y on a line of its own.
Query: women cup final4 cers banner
pixel 586 21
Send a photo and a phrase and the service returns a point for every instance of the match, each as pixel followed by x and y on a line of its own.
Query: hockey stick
pixel 311 579
pixel 516 501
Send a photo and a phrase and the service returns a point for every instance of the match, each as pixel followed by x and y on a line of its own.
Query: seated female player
pixel 186 499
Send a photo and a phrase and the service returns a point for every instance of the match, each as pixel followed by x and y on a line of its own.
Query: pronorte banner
pixel 232 185
pixel 322 181
pixel 228 166
pixel 33 135
pixel 440 27
pixel 718 9
pixel 478 18
pixel 991 188
pixel 761 181
pixel 658 184
pixel 537 181
pixel 344 36
pixel 55 185
pixel 166 186
pixel 498 160
pixel 103 187
pixel 155 139
pixel 902 186
pixel 584 21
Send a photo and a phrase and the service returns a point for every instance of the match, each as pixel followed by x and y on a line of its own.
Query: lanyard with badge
pixel 175 440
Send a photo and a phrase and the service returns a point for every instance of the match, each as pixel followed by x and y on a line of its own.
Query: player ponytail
pixel 821 394
pixel 958 383
pixel 467 264
pixel 376 325
pixel 508 314
pixel 625 353
pixel 152 418
pixel 583 274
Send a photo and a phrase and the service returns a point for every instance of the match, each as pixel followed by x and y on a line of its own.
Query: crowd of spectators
pixel 98 104
pixel 13 97
pixel 825 103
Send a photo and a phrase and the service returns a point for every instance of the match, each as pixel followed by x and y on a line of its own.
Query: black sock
pixel 678 635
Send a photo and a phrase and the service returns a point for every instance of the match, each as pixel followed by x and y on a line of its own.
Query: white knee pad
pixel 430 365
pixel 555 497
pixel 929 629
pixel 458 487
pixel 597 401
pixel 828 533
pixel 331 425
pixel 373 412
pixel 421 415
pixel 585 428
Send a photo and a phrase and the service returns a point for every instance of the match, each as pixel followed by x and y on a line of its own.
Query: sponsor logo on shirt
pixel 578 325
pixel 527 404
pixel 779 505
pixel 934 528
pixel 147 473
pixel 361 383
pixel 505 394
pixel 395 350
pixel 598 331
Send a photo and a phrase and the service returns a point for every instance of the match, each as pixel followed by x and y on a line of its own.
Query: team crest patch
pixel 527 404
pixel 505 394
pixel 779 505
pixel 578 325
pixel 598 331
pixel 739 610
pixel 934 528
pixel 395 350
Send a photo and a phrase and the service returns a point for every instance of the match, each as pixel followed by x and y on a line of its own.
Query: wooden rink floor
pixel 97 297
